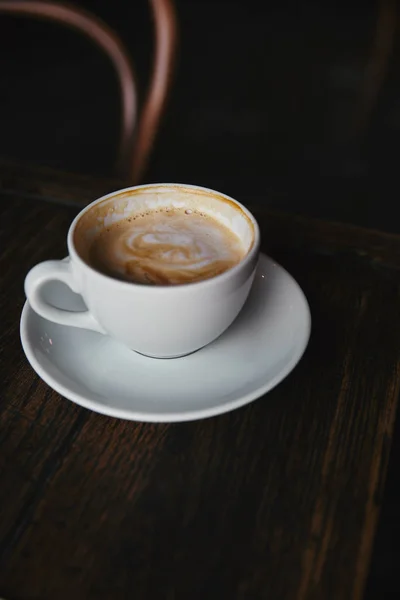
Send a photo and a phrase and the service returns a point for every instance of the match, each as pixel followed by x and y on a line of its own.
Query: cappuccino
pixel 159 236
pixel 166 246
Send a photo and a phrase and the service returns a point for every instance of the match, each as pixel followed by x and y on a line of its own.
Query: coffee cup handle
pixel 56 270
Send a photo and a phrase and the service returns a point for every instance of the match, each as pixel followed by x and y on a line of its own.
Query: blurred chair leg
pixel 165 45
pixel 377 65
pixel 109 42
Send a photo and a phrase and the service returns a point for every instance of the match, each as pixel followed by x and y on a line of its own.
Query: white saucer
pixel 259 350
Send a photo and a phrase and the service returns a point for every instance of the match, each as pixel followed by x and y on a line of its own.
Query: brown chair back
pixel 137 134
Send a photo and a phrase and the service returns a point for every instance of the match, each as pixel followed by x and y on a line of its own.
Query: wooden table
pixel 278 500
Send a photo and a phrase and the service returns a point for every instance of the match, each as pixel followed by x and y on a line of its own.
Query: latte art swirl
pixel 166 248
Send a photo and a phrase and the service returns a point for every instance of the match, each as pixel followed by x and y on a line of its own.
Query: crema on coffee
pixel 167 246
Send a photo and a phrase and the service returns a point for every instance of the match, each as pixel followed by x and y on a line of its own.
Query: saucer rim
pixel 170 417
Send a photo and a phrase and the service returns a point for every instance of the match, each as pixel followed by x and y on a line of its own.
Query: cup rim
pixel 254 250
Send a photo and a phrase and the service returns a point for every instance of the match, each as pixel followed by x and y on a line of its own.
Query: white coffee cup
pixel 158 321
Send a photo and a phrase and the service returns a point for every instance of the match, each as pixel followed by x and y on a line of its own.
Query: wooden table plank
pixel 276 500
pixel 37 183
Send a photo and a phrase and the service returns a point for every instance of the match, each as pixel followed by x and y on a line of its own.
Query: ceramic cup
pixel 158 321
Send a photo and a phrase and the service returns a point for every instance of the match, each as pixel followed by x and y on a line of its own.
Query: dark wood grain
pixel 278 500
pixel 37 183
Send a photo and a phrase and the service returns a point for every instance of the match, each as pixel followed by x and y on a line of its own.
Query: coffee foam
pixel 166 247
pixel 136 202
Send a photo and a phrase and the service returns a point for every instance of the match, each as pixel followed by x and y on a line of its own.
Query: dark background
pixel 268 105
pixel 265 105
